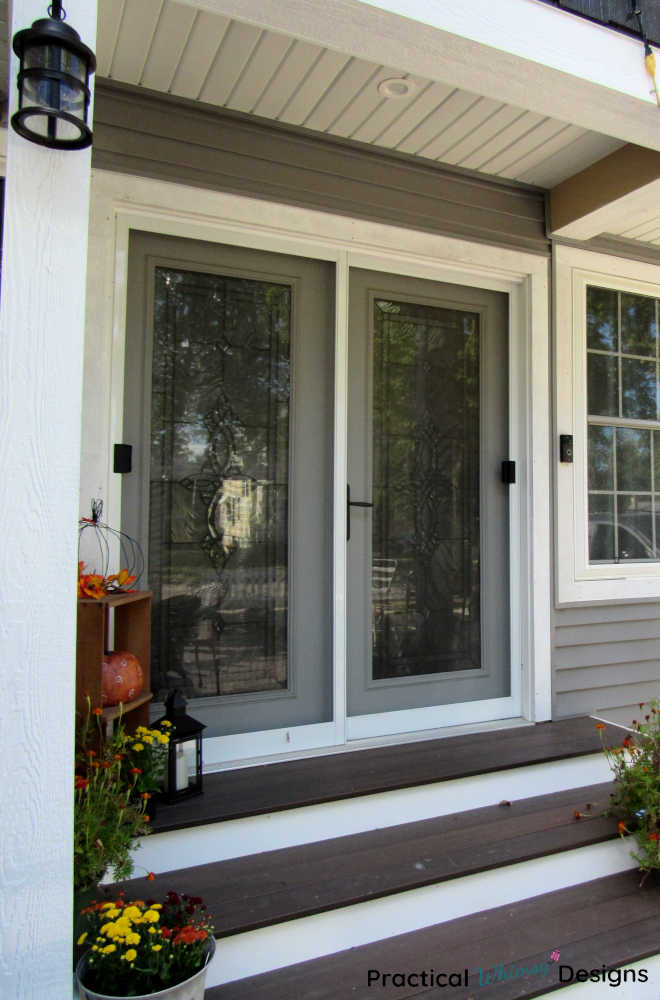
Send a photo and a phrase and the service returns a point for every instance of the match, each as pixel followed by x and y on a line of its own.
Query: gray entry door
pixel 428 563
pixel 228 406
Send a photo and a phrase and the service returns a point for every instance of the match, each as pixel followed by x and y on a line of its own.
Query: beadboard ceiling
pixel 647 231
pixel 175 48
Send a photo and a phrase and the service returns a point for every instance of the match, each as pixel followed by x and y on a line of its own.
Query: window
pixel 623 438
pixel 608 397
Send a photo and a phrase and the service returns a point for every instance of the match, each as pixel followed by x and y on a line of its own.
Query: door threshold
pixel 370 743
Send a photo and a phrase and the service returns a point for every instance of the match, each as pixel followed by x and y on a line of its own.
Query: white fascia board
pixel 630 210
pixel 521 52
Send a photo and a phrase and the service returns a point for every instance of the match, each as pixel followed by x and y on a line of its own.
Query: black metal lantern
pixel 53 83
pixel 184 758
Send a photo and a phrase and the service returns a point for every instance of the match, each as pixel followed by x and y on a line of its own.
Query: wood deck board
pixel 274 787
pixel 246 893
pixel 609 921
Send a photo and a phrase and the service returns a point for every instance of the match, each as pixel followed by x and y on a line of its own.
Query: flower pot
pixel 190 989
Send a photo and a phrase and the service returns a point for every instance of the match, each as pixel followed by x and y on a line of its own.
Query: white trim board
pixel 122 202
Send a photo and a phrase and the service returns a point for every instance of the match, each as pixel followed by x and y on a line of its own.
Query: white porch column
pixel 41 349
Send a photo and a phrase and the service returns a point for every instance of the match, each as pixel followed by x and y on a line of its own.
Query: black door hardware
pixel 352 503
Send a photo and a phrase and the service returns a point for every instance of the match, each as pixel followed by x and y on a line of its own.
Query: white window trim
pixel 576 579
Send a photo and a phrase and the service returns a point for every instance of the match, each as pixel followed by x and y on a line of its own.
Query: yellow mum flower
pixel 156 947
pixel 109 948
pixel 82 937
pixel 107 906
pixel 152 916
pixel 132 913
pixel 166 723
pixel 138 746
pixel 163 738
pixel 108 929
pixel 132 938
pixel 156 906
pixel 152 930
pixel 130 955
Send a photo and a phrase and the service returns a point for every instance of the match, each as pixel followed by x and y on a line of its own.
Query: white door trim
pixel 122 202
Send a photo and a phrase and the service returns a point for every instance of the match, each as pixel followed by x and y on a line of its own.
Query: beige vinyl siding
pixel 152 135
pixel 606 660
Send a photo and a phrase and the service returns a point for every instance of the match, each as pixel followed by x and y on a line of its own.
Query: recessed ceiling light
pixel 396 87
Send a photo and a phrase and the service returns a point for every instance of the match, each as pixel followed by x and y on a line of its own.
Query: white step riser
pixel 238 838
pixel 294 941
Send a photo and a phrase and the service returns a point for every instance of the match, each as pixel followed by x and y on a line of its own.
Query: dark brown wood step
pixel 606 923
pixel 246 893
pixel 268 788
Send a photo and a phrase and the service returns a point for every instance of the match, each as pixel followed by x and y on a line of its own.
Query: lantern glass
pixel 53 85
pixel 54 94
pixel 185 767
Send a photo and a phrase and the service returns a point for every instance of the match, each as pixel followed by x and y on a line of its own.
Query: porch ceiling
pixel 177 48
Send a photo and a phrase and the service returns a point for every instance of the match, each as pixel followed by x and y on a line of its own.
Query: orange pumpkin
pixel 123 679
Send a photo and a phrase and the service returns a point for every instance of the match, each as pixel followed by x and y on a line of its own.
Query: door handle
pixel 508 473
pixel 352 503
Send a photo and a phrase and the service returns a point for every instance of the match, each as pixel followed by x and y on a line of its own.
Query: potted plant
pixel 636 798
pixel 144 759
pixel 109 808
pixel 145 949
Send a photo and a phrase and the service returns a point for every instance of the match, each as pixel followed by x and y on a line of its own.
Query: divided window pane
pixel 623 403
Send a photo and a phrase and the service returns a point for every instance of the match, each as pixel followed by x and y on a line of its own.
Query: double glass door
pixel 229 404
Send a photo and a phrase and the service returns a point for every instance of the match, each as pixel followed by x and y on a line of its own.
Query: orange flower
pixel 599 725
pixel 97 711
pixel 150 877
pixel 145 796
pixel 621 827
pixel 146 817
pixel 136 770
pixel 576 815
pixel 81 782
pixel 654 836
pixel 121 579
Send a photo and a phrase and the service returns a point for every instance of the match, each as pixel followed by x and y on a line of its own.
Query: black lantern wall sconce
pixel 53 83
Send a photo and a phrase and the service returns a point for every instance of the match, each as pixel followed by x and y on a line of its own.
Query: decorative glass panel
pixel 218 538
pixel 426 597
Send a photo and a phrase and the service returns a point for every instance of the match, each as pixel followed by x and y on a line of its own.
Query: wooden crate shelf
pixel 132 632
